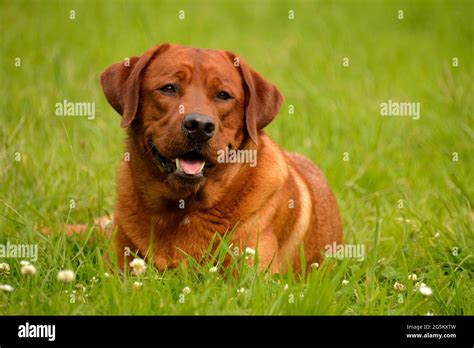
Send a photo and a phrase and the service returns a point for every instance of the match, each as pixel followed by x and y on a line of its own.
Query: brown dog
pixel 183 109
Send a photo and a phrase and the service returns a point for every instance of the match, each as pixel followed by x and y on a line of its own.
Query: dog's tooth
pixel 178 167
pixel 202 166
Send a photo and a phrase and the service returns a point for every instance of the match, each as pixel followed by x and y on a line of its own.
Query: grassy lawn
pixel 404 186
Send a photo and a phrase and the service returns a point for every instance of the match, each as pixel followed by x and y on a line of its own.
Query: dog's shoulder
pixel 306 168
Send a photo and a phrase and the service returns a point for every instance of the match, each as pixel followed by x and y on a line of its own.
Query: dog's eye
pixel 223 95
pixel 168 89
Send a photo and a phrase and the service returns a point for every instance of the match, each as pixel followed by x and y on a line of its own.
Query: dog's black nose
pixel 198 127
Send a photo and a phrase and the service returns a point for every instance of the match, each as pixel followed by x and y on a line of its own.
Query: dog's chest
pixel 190 234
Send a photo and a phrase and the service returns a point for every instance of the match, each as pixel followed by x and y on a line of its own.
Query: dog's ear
pixel 262 99
pixel 121 83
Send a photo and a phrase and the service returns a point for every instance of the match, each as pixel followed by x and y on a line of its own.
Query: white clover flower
pixel 398 286
pixel 249 253
pixel 138 266
pixel 314 265
pixel 6 287
pixel 285 287
pixel 4 268
pixel 137 263
pixel 137 285
pixel 186 290
pixel 345 282
pixel 425 290
pixel 412 277
pixel 213 269
pixel 418 285
pixel 241 291
pixel 94 279
pixel 107 275
pixel 66 276
pixel 24 262
pixel 28 269
pixel 430 313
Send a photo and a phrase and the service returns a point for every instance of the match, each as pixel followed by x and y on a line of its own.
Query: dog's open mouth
pixel 190 164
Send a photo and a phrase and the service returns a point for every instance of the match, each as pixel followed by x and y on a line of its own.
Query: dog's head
pixel 182 105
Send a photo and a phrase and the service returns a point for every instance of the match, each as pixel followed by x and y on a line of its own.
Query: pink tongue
pixel 190 167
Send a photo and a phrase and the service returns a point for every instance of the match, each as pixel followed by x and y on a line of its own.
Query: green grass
pixel 336 111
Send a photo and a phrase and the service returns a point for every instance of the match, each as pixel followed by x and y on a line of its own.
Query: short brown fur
pixel 280 203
